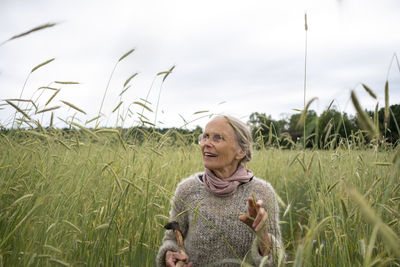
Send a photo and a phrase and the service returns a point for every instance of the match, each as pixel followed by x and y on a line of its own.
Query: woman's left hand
pixel 256 218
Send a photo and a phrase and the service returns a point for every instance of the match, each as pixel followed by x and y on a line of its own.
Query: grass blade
pixel 123 91
pixel 147 122
pixel 51 119
pixel 102 226
pixel 59 262
pixel 52 248
pixel 19 100
pixel 18 109
pixel 166 73
pixel 95 118
pixel 73 106
pixel 376 116
pixel 62 82
pixel 304 112
pixel 330 105
pixel 52 97
pixel 21 198
pixel 85 129
pixel 38 28
pixel 120 103
pixel 62 143
pixel 48 109
pixel 115 178
pixel 142 105
pixel 201 111
pixel 126 54
pixel 387 113
pixel 369 91
pixel 363 117
pixel 129 79
pixel 72 226
pixel 112 131
pixel 42 64
pixel 305 22
pixel 47 87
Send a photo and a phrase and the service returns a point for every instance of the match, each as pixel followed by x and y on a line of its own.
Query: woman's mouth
pixel 206 154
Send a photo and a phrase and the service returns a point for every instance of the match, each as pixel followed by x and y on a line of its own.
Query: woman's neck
pixel 225 172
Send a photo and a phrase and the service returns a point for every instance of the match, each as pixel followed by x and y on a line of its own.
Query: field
pixel 80 201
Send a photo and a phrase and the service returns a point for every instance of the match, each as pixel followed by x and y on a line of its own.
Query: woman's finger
pixel 262 222
pixel 243 218
pixel 257 207
pixel 169 262
pixel 258 218
pixel 251 208
pixel 168 259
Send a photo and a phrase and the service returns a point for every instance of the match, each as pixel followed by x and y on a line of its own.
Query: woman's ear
pixel 241 154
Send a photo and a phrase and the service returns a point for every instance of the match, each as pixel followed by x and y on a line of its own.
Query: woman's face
pixel 221 153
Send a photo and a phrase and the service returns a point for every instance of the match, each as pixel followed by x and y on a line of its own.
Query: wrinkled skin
pixel 221 157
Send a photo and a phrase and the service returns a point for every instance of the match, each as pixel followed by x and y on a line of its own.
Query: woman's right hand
pixel 171 258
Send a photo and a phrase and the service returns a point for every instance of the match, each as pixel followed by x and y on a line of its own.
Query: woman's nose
pixel 207 141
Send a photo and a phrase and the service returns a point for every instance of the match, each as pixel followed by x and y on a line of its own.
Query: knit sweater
pixel 213 234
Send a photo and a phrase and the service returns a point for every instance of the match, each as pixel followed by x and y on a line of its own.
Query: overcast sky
pixel 231 57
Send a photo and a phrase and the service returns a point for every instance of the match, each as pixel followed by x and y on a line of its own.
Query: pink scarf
pixel 227 186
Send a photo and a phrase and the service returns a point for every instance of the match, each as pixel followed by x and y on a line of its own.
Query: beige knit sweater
pixel 213 234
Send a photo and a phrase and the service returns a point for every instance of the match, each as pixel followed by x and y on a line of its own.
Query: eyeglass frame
pixel 216 138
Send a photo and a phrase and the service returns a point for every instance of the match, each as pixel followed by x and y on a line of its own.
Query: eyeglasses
pixel 215 138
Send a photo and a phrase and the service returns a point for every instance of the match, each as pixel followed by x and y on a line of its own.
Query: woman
pixel 226 215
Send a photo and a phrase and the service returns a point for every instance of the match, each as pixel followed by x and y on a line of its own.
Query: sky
pixel 230 57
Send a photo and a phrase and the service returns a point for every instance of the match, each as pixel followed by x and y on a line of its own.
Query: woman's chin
pixel 209 165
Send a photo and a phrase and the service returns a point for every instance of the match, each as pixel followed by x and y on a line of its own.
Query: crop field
pixel 76 200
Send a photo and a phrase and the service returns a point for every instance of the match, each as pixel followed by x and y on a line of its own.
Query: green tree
pixel 265 130
pixel 332 127
pixel 296 129
pixel 392 130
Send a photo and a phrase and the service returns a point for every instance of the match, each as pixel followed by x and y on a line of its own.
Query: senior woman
pixel 226 215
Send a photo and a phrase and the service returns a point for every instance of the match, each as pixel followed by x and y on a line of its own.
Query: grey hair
pixel 242 136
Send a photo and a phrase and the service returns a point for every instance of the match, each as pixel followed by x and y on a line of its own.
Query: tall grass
pixel 93 202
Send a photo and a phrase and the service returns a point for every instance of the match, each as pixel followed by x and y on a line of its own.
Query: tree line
pixel 323 131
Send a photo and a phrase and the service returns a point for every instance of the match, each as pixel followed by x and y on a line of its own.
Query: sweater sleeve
pixel 276 250
pixel 177 213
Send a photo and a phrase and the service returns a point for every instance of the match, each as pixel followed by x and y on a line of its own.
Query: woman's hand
pixel 171 258
pixel 256 218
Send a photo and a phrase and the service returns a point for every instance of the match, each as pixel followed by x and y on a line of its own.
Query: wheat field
pixel 79 201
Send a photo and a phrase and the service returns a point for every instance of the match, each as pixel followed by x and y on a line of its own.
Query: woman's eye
pixel 217 138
